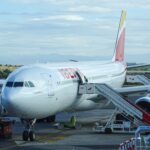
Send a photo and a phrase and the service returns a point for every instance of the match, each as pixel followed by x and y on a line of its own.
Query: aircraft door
pixel 49 83
pixel 81 77
pixel 50 86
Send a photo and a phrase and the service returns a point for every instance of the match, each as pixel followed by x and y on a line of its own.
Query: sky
pixel 58 30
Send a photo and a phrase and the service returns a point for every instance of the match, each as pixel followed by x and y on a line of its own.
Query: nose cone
pixel 15 104
pixel 26 106
pixel 10 100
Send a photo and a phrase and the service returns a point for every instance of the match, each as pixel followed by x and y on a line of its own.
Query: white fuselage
pixel 55 87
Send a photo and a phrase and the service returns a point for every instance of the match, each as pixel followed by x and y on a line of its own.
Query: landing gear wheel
pixel 25 135
pixel 32 136
pixel 28 132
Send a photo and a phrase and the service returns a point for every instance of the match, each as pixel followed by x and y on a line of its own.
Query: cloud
pixel 135 4
pixel 94 9
pixel 71 27
pixel 59 18
pixel 22 1
pixel 105 27
pixel 56 2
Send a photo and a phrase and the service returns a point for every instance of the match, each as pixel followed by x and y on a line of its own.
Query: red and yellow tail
pixel 120 41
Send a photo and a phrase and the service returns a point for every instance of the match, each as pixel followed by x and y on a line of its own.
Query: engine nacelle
pixel 144 103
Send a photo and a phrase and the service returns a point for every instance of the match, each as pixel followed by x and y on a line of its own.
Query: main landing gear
pixel 49 119
pixel 28 133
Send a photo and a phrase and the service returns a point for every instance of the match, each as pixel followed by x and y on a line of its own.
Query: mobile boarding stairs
pixel 125 107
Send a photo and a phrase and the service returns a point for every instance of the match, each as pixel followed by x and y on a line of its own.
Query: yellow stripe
pixel 123 18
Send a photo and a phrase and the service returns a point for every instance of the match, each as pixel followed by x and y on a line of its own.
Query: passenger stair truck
pixel 125 107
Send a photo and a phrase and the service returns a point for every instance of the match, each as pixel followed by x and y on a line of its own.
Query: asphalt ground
pixel 50 138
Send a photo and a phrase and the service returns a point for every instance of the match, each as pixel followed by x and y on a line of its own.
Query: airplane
pixel 40 90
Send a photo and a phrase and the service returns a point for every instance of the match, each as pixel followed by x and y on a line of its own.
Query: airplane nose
pixel 9 101
pixel 14 104
pixel 27 105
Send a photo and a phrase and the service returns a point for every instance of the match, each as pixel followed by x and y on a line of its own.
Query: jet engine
pixel 144 103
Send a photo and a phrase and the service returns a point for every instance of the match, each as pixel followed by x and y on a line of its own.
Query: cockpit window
pixel 18 84
pixel 9 84
pixel 26 84
pixel 31 84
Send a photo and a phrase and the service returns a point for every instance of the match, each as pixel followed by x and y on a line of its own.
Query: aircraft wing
pixel 134 89
pixel 137 66
pixel 145 88
pixel 123 91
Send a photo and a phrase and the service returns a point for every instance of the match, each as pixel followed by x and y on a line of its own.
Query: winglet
pixel 120 41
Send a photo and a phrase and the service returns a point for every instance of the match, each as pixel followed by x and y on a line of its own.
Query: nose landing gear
pixel 28 133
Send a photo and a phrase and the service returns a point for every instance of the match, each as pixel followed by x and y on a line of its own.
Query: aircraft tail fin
pixel 120 41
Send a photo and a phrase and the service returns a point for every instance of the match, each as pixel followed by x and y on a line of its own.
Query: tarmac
pixel 50 138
